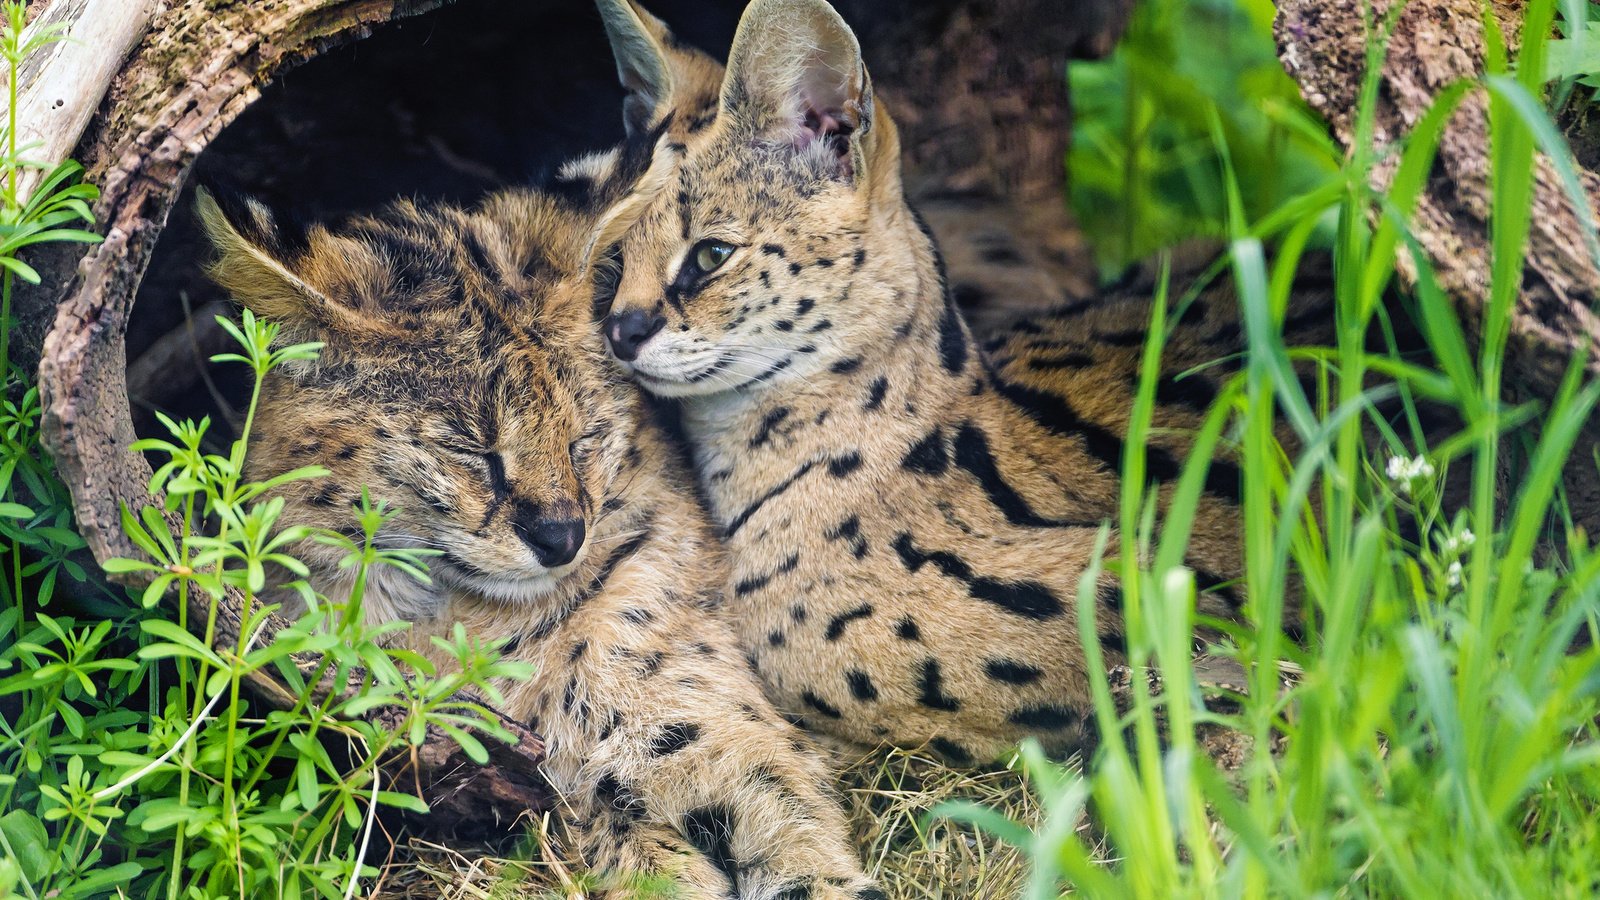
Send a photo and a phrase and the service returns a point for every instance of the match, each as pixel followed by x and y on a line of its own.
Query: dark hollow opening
pixel 452 105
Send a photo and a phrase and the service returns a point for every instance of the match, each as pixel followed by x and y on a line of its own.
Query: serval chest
pixel 909 528
pixel 905 567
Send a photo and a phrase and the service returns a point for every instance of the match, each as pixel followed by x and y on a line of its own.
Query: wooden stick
pixel 61 84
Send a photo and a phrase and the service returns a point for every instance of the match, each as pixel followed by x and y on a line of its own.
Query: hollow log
pixel 147 86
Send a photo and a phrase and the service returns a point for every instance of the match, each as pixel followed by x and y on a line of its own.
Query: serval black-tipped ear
pixel 641 189
pixel 639 41
pixel 795 75
pixel 257 262
pixel 662 75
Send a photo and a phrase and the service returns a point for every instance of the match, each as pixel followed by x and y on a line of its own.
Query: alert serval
pixel 909 513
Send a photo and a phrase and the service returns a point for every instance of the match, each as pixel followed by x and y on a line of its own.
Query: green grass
pixel 1438 737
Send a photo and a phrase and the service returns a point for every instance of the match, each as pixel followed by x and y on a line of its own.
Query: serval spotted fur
pixel 908 513
pixel 463 383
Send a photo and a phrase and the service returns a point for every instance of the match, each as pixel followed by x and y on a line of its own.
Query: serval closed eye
pixel 908 513
pixel 462 383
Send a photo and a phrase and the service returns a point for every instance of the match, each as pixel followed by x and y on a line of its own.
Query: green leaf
pixel 163 814
pixel 161 628
pixel 306 785
pixel 27 842
pixel 404 801
pixel 300 474
pixel 61 537
pixel 47 584
pixel 156 590
pixel 1574 57
pixel 71 718
pixel 364 704
pixel 469 744
pixel 20 268
pixel 352 813
pixel 1557 150
pixel 101 879
pixel 69 235
pixel 179 643
pixel 122 759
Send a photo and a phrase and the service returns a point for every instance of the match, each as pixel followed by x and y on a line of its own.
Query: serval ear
pixel 660 74
pixel 795 75
pixel 257 262
pixel 651 180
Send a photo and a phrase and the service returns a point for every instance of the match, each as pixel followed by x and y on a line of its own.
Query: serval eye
pixel 710 255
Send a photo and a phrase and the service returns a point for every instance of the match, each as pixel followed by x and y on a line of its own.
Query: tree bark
pixel 1322 44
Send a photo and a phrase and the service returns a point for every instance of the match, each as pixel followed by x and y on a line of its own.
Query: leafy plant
pixel 200 797
pixel 1144 166
pixel 35 513
pixel 131 764
pixel 1436 730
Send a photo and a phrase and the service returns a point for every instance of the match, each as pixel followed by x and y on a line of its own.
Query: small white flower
pixel 1453 575
pixel 1406 472
pixel 1397 468
pixel 1456 544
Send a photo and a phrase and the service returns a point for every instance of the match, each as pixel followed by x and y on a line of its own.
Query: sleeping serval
pixel 463 383
pixel 908 512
